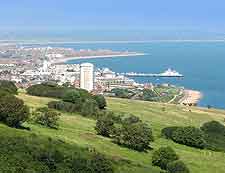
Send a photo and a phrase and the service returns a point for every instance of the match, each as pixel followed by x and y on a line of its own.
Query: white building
pixel 87 76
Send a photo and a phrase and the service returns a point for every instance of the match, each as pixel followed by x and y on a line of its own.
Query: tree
pixel 13 112
pixel 213 127
pixel 177 167
pixel 47 117
pixel 104 126
pixel 163 156
pixel 89 108
pixel 8 86
pixel 72 96
pixel 190 136
pixel 100 99
pixel 136 136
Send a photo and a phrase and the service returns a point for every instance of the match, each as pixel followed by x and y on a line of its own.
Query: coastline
pixel 191 97
pixel 65 60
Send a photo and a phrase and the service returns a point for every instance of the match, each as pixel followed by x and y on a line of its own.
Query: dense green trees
pixel 130 132
pixel 136 136
pixel 105 126
pixel 122 93
pixel 167 159
pixel 177 167
pixel 214 135
pixel 28 152
pixel 47 117
pixel 13 112
pixel 190 136
pixel 8 87
pixel 163 156
pixel 100 99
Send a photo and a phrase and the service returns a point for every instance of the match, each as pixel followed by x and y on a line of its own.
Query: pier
pixel 167 73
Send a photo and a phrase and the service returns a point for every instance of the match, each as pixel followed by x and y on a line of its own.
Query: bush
pixel 168 132
pixel 89 108
pixel 100 99
pixel 177 167
pixel 96 164
pixel 190 136
pixel 72 96
pixel 104 126
pixel 47 117
pixel 163 156
pixel 214 135
pixel 8 86
pixel 131 119
pixel 13 112
pixel 213 127
pixel 64 106
pixel 135 136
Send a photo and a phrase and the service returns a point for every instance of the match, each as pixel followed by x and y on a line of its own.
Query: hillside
pixel 78 131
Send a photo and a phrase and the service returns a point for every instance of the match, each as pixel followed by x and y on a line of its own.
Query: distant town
pixel 29 65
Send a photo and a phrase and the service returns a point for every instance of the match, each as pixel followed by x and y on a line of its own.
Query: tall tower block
pixel 87 76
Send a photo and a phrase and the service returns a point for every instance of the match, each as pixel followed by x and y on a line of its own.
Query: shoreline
pixel 65 60
pixel 191 97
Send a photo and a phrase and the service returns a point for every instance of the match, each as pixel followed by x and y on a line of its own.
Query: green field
pixel 75 129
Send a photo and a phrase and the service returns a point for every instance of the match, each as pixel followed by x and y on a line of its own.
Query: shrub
pixel 47 117
pixel 168 132
pixel 8 86
pixel 104 126
pixel 190 136
pixel 213 127
pixel 96 164
pixel 89 108
pixel 131 119
pixel 64 106
pixel 72 96
pixel 163 156
pixel 214 135
pixel 135 136
pixel 100 99
pixel 13 112
pixel 177 167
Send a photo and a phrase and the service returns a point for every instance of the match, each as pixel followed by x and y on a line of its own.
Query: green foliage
pixel 89 108
pixel 214 135
pixel 167 132
pixel 46 90
pixel 190 136
pixel 13 112
pixel 104 125
pixel 72 96
pixel 122 93
pixel 100 99
pixel 96 164
pixel 163 156
pixel 8 87
pixel 177 167
pixel 149 95
pixel 25 152
pixel 213 127
pixel 131 119
pixel 47 117
pixel 64 106
pixel 135 136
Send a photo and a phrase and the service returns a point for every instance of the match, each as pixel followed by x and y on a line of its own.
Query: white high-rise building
pixel 87 76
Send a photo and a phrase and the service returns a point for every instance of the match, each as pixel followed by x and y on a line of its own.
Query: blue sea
pixel 202 64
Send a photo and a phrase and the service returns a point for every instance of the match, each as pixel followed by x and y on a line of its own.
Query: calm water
pixel 202 64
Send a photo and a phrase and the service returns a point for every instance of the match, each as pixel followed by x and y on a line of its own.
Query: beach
pixel 65 59
pixel 191 97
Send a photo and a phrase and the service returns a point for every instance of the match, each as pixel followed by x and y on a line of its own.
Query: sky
pixel 159 16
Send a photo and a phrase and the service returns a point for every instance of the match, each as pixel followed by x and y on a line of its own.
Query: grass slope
pixel 75 129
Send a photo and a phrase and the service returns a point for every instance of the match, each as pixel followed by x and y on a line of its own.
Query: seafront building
pixel 87 76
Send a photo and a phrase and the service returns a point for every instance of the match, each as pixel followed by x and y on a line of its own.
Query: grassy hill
pixel 79 131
